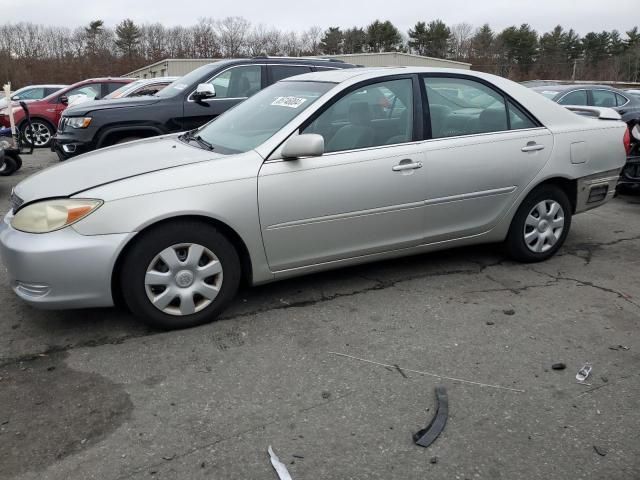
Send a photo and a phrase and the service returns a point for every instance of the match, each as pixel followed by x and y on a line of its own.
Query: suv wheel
pixel 40 134
pixel 180 275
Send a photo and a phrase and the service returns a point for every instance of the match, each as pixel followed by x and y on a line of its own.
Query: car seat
pixel 357 134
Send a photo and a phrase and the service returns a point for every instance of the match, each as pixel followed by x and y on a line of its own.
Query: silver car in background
pixel 318 171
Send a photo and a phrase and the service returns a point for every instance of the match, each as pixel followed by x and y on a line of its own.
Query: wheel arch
pixel 568 185
pixel 122 132
pixel 235 239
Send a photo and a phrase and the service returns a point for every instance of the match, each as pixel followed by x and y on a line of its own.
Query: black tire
pixel 9 167
pixel 515 243
pixel 145 249
pixel 39 125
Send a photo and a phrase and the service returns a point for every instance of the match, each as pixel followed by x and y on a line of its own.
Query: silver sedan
pixel 318 171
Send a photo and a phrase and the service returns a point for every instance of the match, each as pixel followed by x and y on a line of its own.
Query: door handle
pixel 532 147
pixel 406 166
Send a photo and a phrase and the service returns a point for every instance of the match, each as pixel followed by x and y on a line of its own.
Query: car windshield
pixel 123 89
pixel 255 120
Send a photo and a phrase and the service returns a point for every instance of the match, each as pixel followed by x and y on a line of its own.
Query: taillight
pixel 627 141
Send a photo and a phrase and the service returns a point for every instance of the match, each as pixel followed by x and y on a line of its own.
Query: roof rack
pixel 315 59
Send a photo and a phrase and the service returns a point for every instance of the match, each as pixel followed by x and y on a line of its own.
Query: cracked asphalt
pixel 92 394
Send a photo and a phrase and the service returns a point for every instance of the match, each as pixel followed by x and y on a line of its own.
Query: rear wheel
pixel 540 225
pixel 180 275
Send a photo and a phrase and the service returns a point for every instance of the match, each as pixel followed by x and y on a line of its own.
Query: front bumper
pixel 61 269
pixel 69 148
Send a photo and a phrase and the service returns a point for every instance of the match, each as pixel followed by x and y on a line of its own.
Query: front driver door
pixel 233 85
pixel 363 196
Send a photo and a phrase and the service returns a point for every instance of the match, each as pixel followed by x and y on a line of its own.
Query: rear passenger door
pixel 278 72
pixel 484 149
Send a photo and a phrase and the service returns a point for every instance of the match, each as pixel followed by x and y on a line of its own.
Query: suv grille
pixel 62 123
pixel 15 201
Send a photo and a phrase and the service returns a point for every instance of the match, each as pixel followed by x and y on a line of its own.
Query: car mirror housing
pixel 15 97
pixel 64 99
pixel 305 145
pixel 204 90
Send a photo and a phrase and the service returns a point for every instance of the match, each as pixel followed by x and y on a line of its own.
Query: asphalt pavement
pixel 93 394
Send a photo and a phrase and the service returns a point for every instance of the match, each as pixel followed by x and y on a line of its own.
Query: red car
pixel 45 113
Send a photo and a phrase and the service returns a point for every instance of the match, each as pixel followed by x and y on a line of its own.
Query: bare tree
pixel 232 33
pixel 310 40
pixel 460 41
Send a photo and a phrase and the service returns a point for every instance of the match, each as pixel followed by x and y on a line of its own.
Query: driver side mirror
pixel 16 98
pixel 64 100
pixel 203 91
pixel 305 145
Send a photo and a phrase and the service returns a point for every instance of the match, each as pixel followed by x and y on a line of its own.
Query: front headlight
pixel 50 215
pixel 78 122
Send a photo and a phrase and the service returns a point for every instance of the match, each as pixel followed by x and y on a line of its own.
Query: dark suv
pixel 185 104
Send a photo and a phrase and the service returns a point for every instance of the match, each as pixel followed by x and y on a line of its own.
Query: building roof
pixel 403 54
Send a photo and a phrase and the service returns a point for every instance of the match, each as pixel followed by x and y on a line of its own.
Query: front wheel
pixel 180 275
pixel 540 226
pixel 39 134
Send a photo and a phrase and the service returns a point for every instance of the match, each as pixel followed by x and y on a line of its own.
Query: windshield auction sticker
pixel 291 102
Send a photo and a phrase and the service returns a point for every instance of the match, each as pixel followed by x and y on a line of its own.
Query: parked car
pixel 46 113
pixel 634 92
pixel 630 176
pixel 178 107
pixel 628 106
pixel 304 176
pixel 142 87
pixel 32 92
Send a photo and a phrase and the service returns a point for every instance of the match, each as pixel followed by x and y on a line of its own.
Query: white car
pixel 315 172
pixel 32 92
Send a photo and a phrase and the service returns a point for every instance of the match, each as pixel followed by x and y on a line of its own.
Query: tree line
pixel 32 53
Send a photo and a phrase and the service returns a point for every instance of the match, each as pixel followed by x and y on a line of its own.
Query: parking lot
pixel 94 394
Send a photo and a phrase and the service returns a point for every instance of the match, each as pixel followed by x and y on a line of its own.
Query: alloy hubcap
pixel 544 226
pixel 183 279
pixel 39 134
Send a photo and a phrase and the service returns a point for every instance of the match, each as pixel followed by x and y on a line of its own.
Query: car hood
pixel 92 105
pixel 109 165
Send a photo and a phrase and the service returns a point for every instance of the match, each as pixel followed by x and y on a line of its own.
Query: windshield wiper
pixel 199 140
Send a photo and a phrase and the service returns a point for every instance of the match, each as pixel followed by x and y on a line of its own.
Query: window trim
pixel 506 98
pixel 417 128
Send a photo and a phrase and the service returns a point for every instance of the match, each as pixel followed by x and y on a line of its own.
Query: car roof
pixel 365 73
pixel 44 85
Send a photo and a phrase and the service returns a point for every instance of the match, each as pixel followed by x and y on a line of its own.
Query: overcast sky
pixel 543 15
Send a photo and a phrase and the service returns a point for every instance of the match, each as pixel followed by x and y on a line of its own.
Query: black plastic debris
pixel 427 436
pixel 558 366
pixel 600 451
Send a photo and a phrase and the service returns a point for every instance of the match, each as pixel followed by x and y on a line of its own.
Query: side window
pixel 621 99
pixel 579 97
pixel 112 87
pixel 49 91
pixel 238 82
pixel 518 118
pixel 603 98
pixel 84 93
pixel 278 72
pixel 375 115
pixel 32 94
pixel 463 107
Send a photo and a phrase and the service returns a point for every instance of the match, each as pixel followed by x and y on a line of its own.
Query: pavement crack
pixel 586 283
